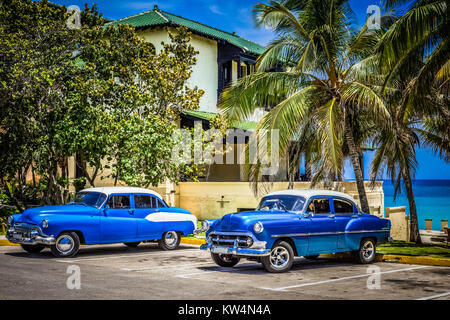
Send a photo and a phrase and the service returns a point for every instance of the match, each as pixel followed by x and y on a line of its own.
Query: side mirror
pixel 105 209
pixel 306 214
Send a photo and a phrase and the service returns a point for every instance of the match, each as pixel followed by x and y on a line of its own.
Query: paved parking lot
pixel 119 272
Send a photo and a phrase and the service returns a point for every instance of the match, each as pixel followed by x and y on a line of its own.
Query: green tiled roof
pixel 244 125
pixel 157 17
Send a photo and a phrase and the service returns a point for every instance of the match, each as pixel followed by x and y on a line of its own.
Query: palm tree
pixel 395 152
pixel 396 144
pixel 421 31
pixel 413 56
pixel 317 47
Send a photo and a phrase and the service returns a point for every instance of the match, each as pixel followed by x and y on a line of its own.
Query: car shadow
pixel 97 251
pixel 300 264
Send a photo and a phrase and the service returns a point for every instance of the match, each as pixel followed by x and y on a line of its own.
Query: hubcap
pixel 64 244
pixel 171 238
pixel 368 250
pixel 226 257
pixel 279 257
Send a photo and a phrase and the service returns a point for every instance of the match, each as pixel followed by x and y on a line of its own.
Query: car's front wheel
pixel 367 251
pixel 66 245
pixel 170 240
pixel 30 248
pixel 280 259
pixel 224 260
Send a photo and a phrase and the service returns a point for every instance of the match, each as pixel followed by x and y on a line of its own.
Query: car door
pixel 146 207
pixel 344 211
pixel 321 227
pixel 118 223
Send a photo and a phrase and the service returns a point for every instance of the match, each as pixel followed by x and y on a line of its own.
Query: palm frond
pixel 363 95
pixel 288 114
pixel 258 90
pixel 278 17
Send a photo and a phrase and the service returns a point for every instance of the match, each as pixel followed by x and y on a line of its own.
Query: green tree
pixel 66 91
pixel 317 47
pixel 35 69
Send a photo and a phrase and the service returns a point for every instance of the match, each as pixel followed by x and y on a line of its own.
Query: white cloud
pixel 215 9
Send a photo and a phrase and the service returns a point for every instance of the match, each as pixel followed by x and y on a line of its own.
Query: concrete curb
pixel 5 242
pixel 427 261
pixel 397 258
pixel 193 241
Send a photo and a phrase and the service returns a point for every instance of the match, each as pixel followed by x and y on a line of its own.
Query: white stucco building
pixel 222 58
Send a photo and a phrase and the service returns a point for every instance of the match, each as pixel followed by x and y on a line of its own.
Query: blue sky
pixel 236 16
pixel 228 15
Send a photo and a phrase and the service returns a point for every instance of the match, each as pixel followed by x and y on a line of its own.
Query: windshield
pixel 92 199
pixel 282 202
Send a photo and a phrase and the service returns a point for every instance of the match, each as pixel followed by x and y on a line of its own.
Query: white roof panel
pixel 307 193
pixel 111 190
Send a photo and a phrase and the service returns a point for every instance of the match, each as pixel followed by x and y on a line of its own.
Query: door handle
pixel 131 211
pixel 331 216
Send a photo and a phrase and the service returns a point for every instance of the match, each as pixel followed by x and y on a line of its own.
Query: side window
pixel 160 204
pixel 341 206
pixel 119 202
pixel 142 201
pixel 319 206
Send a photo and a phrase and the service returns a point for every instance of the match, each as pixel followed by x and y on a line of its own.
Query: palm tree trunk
pixel 291 180
pixel 414 228
pixel 354 157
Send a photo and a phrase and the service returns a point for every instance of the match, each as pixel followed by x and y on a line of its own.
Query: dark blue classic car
pixel 100 216
pixel 295 223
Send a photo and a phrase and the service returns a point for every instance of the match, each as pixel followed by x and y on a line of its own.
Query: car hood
pixel 243 221
pixel 36 215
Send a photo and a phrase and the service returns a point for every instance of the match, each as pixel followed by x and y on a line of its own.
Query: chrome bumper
pixel 197 231
pixel 28 235
pixel 257 249
pixel 235 251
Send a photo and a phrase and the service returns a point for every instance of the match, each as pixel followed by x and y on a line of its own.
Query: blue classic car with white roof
pixel 101 216
pixel 295 223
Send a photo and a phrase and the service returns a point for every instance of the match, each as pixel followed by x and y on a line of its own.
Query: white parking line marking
pixel 344 278
pixel 127 256
pixel 186 276
pixel 436 296
pixel 165 267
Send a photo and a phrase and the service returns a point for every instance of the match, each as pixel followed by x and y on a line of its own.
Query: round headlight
pixel 205 225
pixel 10 220
pixel 258 227
pixel 44 224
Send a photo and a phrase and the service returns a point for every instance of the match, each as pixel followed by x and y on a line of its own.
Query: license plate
pixel 220 250
pixel 17 236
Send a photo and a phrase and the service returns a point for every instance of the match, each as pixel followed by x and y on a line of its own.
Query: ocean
pixel 432 200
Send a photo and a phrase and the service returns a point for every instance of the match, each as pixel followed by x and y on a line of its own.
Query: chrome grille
pixel 25 229
pixel 230 240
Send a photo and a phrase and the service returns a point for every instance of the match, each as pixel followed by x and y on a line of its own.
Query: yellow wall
pixel 399 223
pixel 203 199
